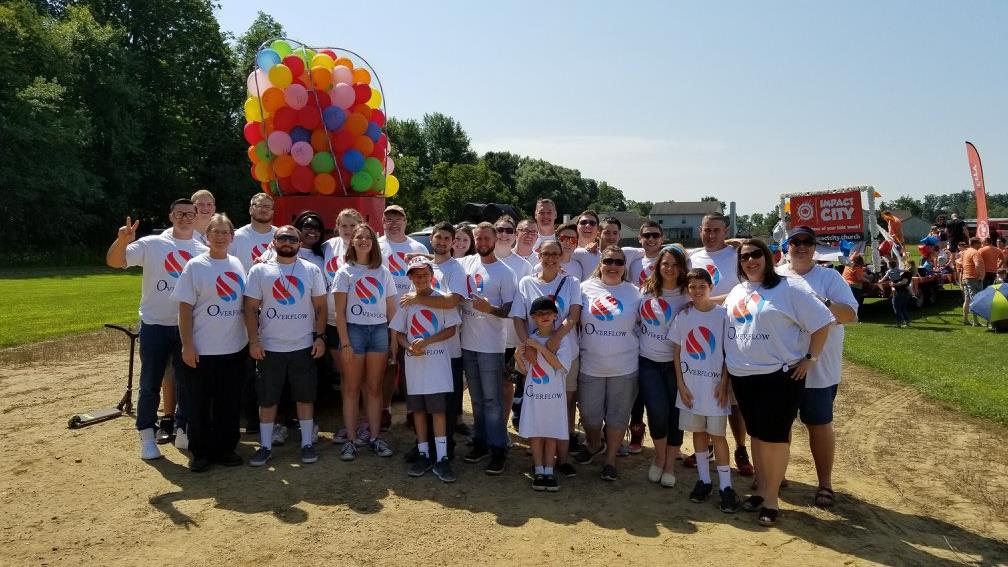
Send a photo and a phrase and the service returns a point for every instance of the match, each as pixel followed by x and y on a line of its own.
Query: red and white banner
pixel 833 216
pixel 976 172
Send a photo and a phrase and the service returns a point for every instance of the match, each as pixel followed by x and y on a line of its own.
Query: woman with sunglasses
pixel 607 384
pixel 777 329
pixel 663 296
pixel 567 236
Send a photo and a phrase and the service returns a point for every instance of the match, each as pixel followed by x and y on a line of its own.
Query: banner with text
pixel 833 216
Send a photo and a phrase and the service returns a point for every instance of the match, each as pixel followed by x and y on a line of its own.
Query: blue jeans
pixel 899 305
pixel 485 373
pixel 158 344
pixel 657 382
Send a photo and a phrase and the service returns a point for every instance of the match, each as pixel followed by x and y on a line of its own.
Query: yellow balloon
pixel 280 75
pixel 253 112
pixel 375 100
pixel 787 206
pixel 391 186
pixel 323 60
pixel 263 171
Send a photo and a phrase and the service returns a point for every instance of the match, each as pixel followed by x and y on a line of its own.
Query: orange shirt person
pixel 991 259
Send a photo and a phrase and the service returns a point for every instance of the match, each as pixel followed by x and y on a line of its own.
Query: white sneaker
pixel 279 434
pixel 181 439
pixel 148 445
pixel 654 474
pixel 668 480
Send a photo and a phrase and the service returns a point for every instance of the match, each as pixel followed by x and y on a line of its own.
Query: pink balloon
pixel 296 96
pixel 279 142
pixel 257 83
pixel 302 153
pixel 389 165
pixel 341 74
pixel 343 95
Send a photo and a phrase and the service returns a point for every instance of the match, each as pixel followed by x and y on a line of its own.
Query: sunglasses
pixel 613 261
pixel 587 222
pixel 754 255
pixel 505 230
pixel 649 235
pixel 801 242
pixel 567 239
pixel 286 239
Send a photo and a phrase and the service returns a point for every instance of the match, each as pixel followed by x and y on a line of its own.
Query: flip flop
pixel 825 497
pixel 768 517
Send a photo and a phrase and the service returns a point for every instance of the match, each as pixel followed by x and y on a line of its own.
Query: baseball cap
pixel 394 209
pixel 419 262
pixel 543 304
pixel 801 230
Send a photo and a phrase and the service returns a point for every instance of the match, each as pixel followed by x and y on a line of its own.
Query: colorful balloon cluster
pixel 315 124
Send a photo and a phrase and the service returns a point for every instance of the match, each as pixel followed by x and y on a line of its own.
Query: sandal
pixel 752 503
pixel 825 497
pixel 768 517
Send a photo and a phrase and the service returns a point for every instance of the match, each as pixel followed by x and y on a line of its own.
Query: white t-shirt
pixel 640 269
pixel 333 252
pixel 287 316
pixel 197 235
pixel 543 238
pixel 162 259
pixel 531 288
pixel 700 336
pixel 520 268
pixel 394 258
pixel 827 283
pixel 248 245
pixel 609 344
pixel 587 260
pixel 768 328
pixel 656 314
pixel 450 278
pixel 544 408
pixel 483 332
pixel 216 290
pixel 532 258
pixel 721 265
pixel 367 290
pixel 430 373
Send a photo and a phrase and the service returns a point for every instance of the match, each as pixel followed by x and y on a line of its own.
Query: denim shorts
pixel 368 338
pixel 816 407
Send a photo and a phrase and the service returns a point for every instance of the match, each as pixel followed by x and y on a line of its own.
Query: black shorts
pixel 428 403
pixel 297 367
pixel 769 404
pixel 332 337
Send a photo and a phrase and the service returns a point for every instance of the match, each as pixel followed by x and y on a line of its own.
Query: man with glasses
pixel 206 207
pixel 285 337
pixel 823 377
pixel 162 257
pixel 506 237
pixel 525 246
pixel 651 239
pixel 253 239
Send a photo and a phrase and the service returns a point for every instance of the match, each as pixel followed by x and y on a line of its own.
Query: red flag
pixel 976 172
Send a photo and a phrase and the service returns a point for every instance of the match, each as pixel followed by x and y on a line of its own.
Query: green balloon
pixel 262 151
pixel 378 184
pixel 281 47
pixel 305 54
pixel 323 162
pixel 361 181
pixel 373 167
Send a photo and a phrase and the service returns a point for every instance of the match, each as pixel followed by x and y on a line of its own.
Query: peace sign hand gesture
pixel 128 233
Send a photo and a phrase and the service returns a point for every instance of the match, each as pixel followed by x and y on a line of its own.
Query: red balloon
pixel 381 147
pixel 303 179
pixel 253 133
pixel 285 118
pixel 330 53
pixel 323 98
pixel 295 63
pixel 286 185
pixel 362 93
pixel 342 141
pixel 309 117
pixel 378 117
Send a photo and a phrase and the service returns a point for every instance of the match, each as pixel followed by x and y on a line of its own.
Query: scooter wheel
pixel 74 422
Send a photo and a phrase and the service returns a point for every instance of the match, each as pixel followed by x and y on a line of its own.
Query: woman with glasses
pixel 524 246
pixel 607 384
pixel 567 236
pixel 777 329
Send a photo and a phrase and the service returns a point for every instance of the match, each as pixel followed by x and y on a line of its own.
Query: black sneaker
pixel 478 453
pixel 574 443
pixel 567 470
pixel 420 465
pixel 412 455
pixel 463 429
pixel 443 470
pixel 539 482
pixel 231 459
pixel 609 473
pixel 166 430
pixel 701 491
pixel 585 455
pixel 729 501
pixel 496 465
pixel 551 483
pixel 199 464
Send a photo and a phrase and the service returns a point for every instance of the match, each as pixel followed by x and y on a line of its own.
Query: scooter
pixel 125 405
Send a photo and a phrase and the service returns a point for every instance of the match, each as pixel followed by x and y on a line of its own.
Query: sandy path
pixel 912 478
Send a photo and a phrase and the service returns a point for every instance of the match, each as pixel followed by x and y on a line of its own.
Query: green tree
pixel 454 185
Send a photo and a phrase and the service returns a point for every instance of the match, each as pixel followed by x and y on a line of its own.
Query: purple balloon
pixel 279 142
pixel 302 153
pixel 300 134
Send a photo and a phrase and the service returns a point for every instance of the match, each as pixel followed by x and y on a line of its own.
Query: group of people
pixel 549 322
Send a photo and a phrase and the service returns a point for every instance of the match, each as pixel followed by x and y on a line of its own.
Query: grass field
pixel 937 355
pixel 43 303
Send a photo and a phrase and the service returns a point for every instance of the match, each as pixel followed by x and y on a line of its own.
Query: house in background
pixel 680 220
pixel 914 228
pixel 630 222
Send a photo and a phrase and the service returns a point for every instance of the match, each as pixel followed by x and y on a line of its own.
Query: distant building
pixel 680 220
pixel 914 228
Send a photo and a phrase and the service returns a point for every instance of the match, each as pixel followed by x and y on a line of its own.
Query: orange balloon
pixel 252 155
pixel 345 62
pixel 283 165
pixel 325 184
pixel 263 171
pixel 363 109
pixel 319 140
pixel 356 124
pixel 272 99
pixel 268 124
pixel 364 145
pixel 360 75
pixel 321 78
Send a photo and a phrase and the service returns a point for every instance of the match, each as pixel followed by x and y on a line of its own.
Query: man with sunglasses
pixel 823 377
pixel 162 257
pixel 651 239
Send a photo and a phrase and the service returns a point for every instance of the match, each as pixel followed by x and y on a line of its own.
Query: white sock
pixel 703 467
pixel 724 476
pixel 540 469
pixel 547 471
pixel 266 435
pixel 424 449
pixel 441 446
pixel 307 431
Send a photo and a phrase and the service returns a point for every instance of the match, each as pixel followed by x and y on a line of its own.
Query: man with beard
pixel 251 240
pixel 285 337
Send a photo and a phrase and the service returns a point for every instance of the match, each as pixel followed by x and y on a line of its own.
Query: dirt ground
pixel 917 484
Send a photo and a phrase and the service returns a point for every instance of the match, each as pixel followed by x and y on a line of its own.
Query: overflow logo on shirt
pixel 715 274
pixel 743 310
pixel 539 376
pixel 700 343
pixel 230 286
pixel 644 275
pixel 560 303
pixel 175 261
pixel 423 325
pixel 332 266
pixel 397 264
pixel 435 283
pixel 655 311
pixel 283 288
pixel 369 290
pixel 259 250
pixel 606 307
pixel 474 284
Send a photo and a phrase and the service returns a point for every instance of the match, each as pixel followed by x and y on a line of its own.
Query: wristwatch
pixel 811 357
pixel 315 336
pixel 827 302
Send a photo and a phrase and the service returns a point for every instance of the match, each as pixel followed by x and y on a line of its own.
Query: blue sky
pixel 665 100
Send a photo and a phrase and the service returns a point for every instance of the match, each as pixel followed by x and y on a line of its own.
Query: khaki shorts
pixel 715 425
pixel 572 376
